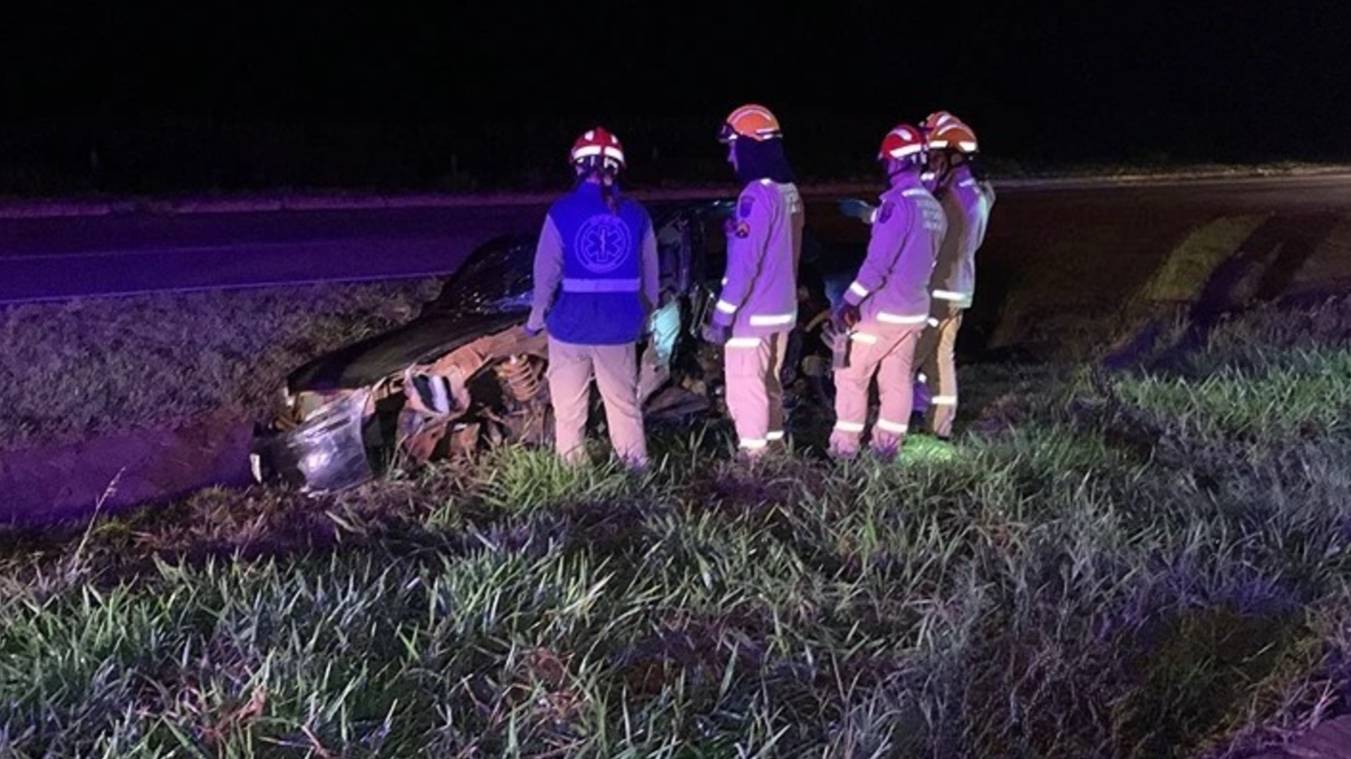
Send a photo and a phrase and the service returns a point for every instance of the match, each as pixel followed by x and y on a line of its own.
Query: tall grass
pixel 1142 565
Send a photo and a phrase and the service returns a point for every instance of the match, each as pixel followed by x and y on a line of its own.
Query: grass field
pixel 69 370
pixel 1118 564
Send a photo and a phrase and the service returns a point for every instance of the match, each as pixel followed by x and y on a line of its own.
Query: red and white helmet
pixel 903 143
pixel 598 148
pixel 947 132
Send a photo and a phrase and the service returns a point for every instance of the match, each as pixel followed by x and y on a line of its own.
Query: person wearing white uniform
pixel 886 307
pixel 967 199
pixel 757 307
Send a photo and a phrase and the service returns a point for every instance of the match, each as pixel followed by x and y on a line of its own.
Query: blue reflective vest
pixel 600 300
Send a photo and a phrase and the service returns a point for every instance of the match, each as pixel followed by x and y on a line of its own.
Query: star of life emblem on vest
pixel 603 243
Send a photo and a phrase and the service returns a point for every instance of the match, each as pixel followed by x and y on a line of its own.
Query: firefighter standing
pixel 596 281
pixel 967 199
pixel 757 308
pixel 887 305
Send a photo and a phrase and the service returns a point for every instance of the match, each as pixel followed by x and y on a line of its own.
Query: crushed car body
pixel 463 374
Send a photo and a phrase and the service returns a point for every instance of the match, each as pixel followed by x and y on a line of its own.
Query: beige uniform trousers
pixel 754 392
pixel 888 352
pixel 615 368
pixel 936 356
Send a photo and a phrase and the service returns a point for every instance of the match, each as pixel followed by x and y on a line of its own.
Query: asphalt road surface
pixel 124 254
pixel 138 252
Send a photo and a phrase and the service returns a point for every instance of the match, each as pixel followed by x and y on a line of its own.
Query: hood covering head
pixel 765 159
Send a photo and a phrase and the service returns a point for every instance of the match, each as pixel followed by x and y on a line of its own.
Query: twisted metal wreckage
pixel 464 375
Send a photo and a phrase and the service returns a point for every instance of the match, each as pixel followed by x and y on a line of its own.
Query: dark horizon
pixel 493 90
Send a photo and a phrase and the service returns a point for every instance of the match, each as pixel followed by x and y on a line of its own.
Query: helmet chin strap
pixel 896 168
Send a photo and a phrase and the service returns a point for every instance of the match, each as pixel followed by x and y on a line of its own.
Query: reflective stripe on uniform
pixel 895 428
pixel 943 400
pixel 744 342
pixel 858 290
pixel 886 318
pixel 863 337
pixel 967 183
pixel 772 320
pixel 843 426
pixel 573 285
pixel 774 436
pixel 950 295
pixel 916 192
pixel 725 307
pixel 754 444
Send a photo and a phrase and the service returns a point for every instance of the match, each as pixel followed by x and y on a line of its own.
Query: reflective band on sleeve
pixel 894 428
pixel 843 426
pixel 725 307
pixel 863 337
pixel 950 295
pixel 754 444
pixel 943 400
pixel 744 342
pixel 913 193
pixel 571 285
pixel 967 183
pixel 886 318
pixel 772 320
pixel 858 290
pixel 774 436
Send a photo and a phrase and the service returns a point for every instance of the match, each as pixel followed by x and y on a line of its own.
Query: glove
pixel 857 209
pixel 716 334
pixel 845 316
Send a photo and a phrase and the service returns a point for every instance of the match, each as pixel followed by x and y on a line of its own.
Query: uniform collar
pixel 910 181
pixel 592 189
pixel 958 175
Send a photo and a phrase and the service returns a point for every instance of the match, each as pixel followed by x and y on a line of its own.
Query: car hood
pixel 422 340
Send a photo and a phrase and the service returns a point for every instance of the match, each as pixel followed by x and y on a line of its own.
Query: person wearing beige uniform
pixel 596 282
pixel 886 307
pixel 757 307
pixel 967 198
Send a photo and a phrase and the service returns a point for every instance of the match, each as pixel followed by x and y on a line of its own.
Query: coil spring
pixel 521 377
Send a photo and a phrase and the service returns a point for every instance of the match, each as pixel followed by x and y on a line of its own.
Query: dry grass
pixel 78 368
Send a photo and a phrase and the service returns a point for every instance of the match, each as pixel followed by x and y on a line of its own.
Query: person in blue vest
pixel 596 282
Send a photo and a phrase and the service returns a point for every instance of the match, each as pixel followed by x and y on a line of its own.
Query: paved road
pixel 146 251
pixel 122 254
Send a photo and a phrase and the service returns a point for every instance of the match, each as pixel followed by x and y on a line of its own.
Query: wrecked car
pixel 463 374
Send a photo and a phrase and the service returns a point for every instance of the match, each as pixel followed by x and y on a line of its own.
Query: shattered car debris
pixel 463 374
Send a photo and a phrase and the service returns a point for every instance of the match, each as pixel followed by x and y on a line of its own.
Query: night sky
pixel 1041 83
